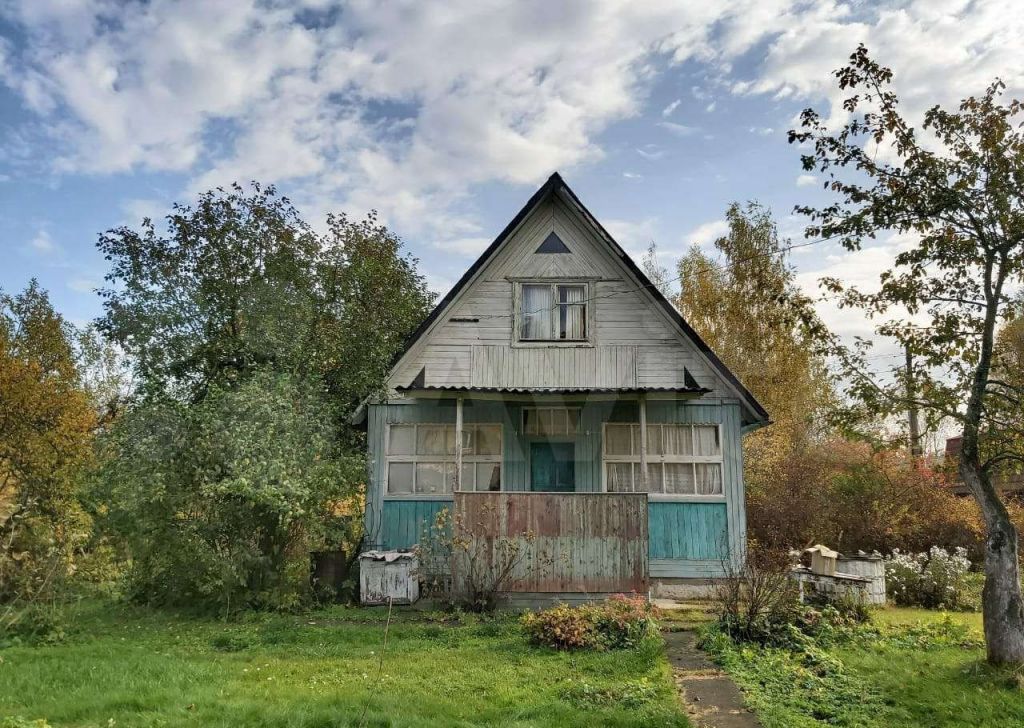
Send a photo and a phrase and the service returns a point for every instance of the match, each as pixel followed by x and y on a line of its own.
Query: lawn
pixel 122 666
pixel 911 675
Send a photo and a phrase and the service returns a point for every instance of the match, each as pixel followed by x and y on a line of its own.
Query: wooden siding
pixel 505 366
pixel 644 348
pixel 403 521
pixel 693 531
pixel 577 543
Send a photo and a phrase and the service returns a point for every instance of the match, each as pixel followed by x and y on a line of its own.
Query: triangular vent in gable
pixel 552 244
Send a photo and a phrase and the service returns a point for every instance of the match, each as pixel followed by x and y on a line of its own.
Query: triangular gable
pixel 554 185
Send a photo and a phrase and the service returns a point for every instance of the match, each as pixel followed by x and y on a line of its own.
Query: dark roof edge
pixel 553 390
pixel 671 310
pixel 553 183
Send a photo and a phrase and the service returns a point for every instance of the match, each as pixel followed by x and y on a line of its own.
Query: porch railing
pixel 571 542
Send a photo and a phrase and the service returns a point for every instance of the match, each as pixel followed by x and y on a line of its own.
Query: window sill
pixel 552 343
pixel 682 498
pixel 419 497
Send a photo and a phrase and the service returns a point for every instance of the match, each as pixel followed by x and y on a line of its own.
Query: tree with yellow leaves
pixel 747 307
pixel 46 429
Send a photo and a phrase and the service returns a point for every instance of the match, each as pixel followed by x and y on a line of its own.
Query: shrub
pixel 620 622
pixel 484 565
pixel 221 502
pixel 937 579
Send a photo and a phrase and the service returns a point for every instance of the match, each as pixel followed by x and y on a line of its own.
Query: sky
pixel 446 116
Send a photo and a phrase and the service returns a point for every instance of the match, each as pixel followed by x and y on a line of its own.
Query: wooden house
pixel 556 387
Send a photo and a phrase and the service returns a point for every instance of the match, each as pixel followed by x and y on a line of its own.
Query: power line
pixel 680 277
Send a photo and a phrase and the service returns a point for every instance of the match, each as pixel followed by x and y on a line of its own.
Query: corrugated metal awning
pixel 433 391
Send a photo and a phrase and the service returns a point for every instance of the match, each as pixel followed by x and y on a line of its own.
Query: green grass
pixel 891 681
pixel 143 668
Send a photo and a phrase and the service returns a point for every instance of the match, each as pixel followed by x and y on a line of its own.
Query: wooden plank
pixel 579 542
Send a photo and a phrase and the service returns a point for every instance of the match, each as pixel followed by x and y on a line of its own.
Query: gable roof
pixel 552 186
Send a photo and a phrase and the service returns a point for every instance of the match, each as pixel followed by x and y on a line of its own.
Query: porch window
pixel 551 421
pixel 421 458
pixel 681 459
pixel 553 312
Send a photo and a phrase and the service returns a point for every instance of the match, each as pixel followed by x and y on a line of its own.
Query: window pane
pixel 707 440
pixel 546 418
pixel 572 313
pixel 709 479
pixel 430 478
pixel 469 440
pixel 399 478
pixel 402 440
pixel 488 440
pixel 655 482
pixel 679 478
pixel 536 313
pixel 654 440
pixel 488 476
pixel 573 420
pixel 617 440
pixel 620 477
pixel 435 440
pixel 530 421
pixel 678 440
pixel 467 482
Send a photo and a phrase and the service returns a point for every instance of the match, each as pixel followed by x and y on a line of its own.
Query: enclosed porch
pixel 573 466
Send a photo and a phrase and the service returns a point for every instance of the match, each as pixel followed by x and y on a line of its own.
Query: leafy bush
pixel 222 501
pixel 937 579
pixel 851 497
pixel 16 721
pixel 450 545
pixel 619 622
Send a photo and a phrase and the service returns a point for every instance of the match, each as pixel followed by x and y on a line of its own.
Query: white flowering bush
pixel 937 579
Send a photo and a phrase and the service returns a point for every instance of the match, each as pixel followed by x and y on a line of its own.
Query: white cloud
pixel 83 285
pixel 651 152
pixel 711 107
pixel 707 233
pixel 762 130
pixel 633 235
pixel 806 180
pixel 667 111
pixel 138 208
pixel 632 176
pixel 42 243
pixel 396 106
pixel 464 246
pixel 678 129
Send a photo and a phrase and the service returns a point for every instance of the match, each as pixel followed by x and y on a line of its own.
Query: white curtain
pixel 707 440
pixel 573 317
pixel 536 312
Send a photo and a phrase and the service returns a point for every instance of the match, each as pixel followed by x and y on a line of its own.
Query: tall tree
pixel 46 430
pixel 956 197
pixel 240 283
pixel 752 314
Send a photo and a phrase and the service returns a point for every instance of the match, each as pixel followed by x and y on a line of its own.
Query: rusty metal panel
pixel 572 542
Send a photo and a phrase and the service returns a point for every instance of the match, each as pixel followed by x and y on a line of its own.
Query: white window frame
pixel 467 459
pixel 660 459
pixel 552 436
pixel 588 317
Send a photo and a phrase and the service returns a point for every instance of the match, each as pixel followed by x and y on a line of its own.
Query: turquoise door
pixel 553 466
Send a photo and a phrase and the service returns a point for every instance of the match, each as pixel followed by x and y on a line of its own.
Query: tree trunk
pixel 1002 603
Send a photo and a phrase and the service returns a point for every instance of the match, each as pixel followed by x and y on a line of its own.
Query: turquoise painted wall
pixel 686 538
pixel 688 530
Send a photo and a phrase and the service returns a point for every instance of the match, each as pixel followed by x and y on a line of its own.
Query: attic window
pixel 553 312
pixel 553 244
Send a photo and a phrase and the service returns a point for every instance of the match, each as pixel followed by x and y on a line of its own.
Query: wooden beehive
pixel 388 577
pixel 823 560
